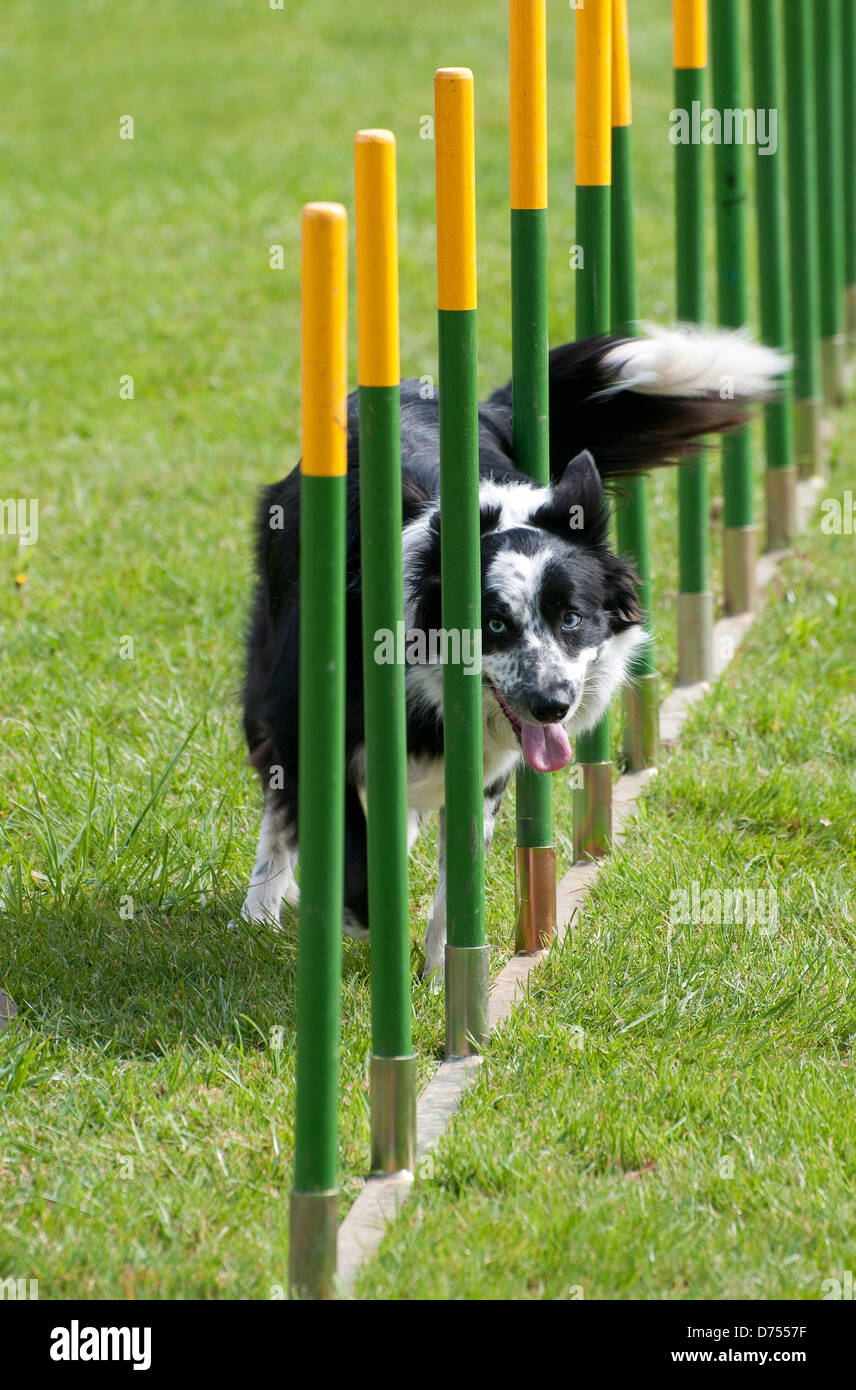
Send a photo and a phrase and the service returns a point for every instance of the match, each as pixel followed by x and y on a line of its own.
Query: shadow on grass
pixel 146 984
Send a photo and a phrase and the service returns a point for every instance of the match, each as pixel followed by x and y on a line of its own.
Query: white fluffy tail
pixel 694 362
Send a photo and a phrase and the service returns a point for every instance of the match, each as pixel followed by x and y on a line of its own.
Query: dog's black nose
pixel 549 707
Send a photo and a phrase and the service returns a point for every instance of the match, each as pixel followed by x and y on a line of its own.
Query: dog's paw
pixel 259 915
pixel 353 928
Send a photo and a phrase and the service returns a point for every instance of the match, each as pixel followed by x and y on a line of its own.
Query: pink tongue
pixel 545 746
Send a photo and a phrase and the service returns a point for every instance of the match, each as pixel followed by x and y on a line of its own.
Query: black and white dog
pixel 560 611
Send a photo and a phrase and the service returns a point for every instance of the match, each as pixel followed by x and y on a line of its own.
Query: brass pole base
pixel 467 989
pixel 393 1114
pixel 593 812
pixel 740 545
pixel 781 488
pixel 808 438
pixel 312 1244
pixel 535 895
pixel 832 354
pixel 642 722
pixel 695 637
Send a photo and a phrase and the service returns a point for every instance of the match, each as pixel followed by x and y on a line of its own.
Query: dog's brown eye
pixel 570 621
pixel 497 627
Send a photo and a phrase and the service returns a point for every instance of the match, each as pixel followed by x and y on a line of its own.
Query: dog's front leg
pixel 492 801
pixel 435 932
pixel 273 873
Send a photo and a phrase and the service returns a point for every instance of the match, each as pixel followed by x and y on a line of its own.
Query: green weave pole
pixel 321 751
pixel 535 867
pixel 773 274
pixel 393 1064
pixel 641 700
pixel 800 135
pixel 461 587
pixel 531 403
pixel 466 952
pixel 695 596
pixel 848 53
pixel 593 175
pixel 830 168
pixel 320 814
pixel 535 857
pixel 730 196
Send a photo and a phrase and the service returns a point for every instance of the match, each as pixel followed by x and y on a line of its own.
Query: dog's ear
pixel 622 601
pixel 577 510
pixel 423 578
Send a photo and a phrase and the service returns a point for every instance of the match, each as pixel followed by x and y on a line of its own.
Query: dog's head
pixel 560 612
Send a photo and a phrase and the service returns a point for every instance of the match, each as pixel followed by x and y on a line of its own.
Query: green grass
pixel 148 1098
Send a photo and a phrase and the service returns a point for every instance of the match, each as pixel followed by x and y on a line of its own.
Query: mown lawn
pixel 148 1102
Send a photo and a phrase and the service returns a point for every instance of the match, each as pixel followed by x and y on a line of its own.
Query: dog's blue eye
pixel 570 621
pixel 497 626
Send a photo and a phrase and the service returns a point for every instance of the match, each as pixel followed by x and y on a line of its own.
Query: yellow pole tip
pixel 453 75
pixel 374 137
pixel 324 212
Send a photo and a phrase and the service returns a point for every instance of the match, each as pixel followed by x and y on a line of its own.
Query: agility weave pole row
pixel 606 299
pixel 382 1197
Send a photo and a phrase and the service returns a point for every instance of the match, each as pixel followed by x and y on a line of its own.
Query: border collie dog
pixel 560 611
